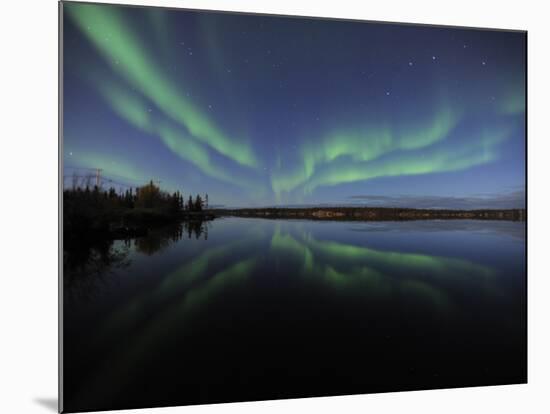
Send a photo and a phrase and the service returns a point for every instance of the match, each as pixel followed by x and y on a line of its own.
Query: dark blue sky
pixel 258 110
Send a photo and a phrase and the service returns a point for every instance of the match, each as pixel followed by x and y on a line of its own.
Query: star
pixel 433 57
pixel 483 63
pixel 387 93
pixel 410 63
pixel 71 153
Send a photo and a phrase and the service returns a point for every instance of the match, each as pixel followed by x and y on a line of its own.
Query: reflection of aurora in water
pixel 358 269
pixel 370 272
pixel 244 262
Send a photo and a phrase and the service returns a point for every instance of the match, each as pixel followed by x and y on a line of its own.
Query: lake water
pixel 248 309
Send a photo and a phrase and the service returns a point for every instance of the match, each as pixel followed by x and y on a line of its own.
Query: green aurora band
pixel 465 155
pixel 123 51
pixel 358 152
pixel 364 144
pixel 349 156
pixel 395 162
pixel 134 110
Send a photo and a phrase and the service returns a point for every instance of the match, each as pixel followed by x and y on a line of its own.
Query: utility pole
pixel 97 176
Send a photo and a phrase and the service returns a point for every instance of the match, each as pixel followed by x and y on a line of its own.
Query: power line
pixel 103 180
pixel 109 175
pixel 101 177
pixel 77 168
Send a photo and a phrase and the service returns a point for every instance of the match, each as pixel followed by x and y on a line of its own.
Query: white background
pixel 28 200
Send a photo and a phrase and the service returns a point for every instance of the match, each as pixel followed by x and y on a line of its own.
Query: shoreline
pixel 373 214
pixel 138 222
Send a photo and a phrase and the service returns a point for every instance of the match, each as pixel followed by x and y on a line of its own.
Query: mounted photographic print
pixel 259 207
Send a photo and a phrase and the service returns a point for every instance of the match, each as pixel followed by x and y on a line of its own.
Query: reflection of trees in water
pixel 87 263
pixel 196 228
pixel 86 266
pixel 158 239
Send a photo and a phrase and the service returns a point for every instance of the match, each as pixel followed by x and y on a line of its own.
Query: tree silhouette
pixel 198 203
pixel 92 210
pixel 149 196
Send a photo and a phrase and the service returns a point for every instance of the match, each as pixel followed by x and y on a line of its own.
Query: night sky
pixel 258 110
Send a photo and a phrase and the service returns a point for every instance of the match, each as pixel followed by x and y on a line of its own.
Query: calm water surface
pixel 247 309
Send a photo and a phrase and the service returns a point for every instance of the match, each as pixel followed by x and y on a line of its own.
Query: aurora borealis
pixel 263 110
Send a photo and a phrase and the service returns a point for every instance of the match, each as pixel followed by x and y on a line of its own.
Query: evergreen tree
pixel 174 202
pixel 198 203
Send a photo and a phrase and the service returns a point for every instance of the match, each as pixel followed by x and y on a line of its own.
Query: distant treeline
pixel 375 213
pixel 95 211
